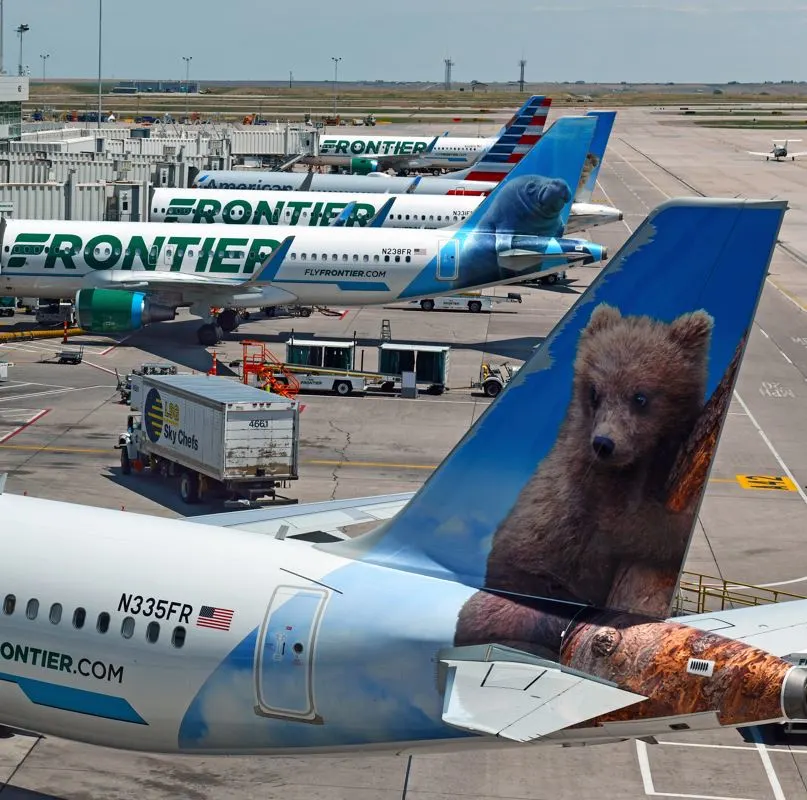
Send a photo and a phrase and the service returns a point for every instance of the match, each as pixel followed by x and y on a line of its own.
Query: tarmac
pixel 58 425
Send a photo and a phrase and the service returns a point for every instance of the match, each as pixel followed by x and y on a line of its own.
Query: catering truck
pixel 214 434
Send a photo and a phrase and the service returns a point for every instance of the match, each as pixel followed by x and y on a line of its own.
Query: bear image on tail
pixel 598 501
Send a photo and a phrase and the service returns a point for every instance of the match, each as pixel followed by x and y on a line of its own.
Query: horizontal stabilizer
pixel 523 701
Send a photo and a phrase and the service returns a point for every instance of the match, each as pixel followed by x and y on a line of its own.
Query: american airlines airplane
pixel 372 153
pixel 127 275
pixel 526 603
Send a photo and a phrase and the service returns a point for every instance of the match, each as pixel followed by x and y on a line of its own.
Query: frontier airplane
pixel 410 210
pixel 127 275
pixel 526 603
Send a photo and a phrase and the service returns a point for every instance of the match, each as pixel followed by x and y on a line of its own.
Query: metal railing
pixel 699 594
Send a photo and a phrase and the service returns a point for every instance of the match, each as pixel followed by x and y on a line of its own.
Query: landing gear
pixel 209 334
pixel 228 320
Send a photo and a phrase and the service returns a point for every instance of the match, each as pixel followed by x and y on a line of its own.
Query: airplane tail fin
pixel 583 479
pixel 535 197
pixel 591 169
pixel 514 141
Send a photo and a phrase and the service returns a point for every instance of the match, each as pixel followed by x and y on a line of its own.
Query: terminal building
pixel 13 93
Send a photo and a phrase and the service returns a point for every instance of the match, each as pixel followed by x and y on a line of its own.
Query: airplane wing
pixel 312 521
pixel 769 154
pixel 802 154
pixel 406 161
pixel 779 628
pixel 516 696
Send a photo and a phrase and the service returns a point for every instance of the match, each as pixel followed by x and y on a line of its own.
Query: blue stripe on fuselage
pixel 80 701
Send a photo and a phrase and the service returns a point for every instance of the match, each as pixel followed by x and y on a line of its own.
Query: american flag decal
pixel 217 618
pixel 420 251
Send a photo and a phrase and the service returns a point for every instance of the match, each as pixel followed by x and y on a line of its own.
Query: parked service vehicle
pixel 466 301
pixel 215 434
pixel 7 306
pixel 492 379
pixel 56 312
pixel 125 384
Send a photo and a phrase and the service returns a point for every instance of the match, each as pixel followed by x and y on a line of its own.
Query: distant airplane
pixel 127 275
pixel 371 153
pixel 779 151
pixel 523 595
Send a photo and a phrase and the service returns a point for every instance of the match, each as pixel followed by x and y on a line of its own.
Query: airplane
pixel 364 154
pixel 366 178
pixel 409 210
pixel 430 633
pixel 127 275
pixel 779 151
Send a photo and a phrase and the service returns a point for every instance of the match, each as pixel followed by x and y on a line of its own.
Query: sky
pixel 398 40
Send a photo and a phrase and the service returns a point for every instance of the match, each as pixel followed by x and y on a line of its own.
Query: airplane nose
pixel 603 447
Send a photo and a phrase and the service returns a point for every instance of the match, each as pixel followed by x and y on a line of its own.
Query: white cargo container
pixel 213 433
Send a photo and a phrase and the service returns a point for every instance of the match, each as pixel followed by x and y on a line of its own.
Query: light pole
pixel 100 31
pixel 187 60
pixel 22 30
pixel 44 57
pixel 335 80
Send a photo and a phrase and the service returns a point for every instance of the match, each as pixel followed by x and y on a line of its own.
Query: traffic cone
pixel 213 368
pixel 64 336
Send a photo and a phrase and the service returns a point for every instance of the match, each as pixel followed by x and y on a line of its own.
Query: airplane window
pixel 153 632
pixel 7 248
pixel 79 615
pixel 190 253
pixel 356 257
pixel 439 217
pixel 455 219
pixel 431 217
pixel 365 258
pixel 127 251
pixel 302 256
pixel 102 626
pixel 305 214
pixel 9 604
pixel 107 251
pixel 55 615
pixel 32 609
pixel 375 259
pixel 294 256
pixel 178 637
pixel 407 216
pixel 386 258
pixel 397 259
pixel 97 251
pixel 344 256
pixel 335 257
pixel 324 256
pixel 423 216
pixel 408 259
pixel 127 627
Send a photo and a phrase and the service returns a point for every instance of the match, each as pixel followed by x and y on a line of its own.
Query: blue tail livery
pixel 604 440
pixel 591 169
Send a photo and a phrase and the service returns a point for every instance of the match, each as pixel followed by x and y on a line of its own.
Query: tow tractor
pixel 492 379
pixel 465 301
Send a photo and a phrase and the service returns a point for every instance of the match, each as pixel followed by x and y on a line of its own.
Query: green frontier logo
pixel 282 212
pixel 371 147
pixel 228 255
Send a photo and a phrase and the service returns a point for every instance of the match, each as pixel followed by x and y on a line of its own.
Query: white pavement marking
pixel 28 422
pixel 779 459
pixel 650 789
pixel 98 366
pixel 773 778
pixel 54 391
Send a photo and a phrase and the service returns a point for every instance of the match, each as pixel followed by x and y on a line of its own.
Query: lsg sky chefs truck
pixel 214 435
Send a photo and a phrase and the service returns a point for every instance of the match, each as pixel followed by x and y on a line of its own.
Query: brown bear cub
pixel 597 500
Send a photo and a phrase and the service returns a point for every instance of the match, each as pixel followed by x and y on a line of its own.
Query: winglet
pixel 431 145
pixel 587 505
pixel 344 215
pixel 381 215
pixel 270 267
pixel 414 184
pixel 305 186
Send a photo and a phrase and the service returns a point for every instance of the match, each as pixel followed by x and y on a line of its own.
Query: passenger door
pixel 284 660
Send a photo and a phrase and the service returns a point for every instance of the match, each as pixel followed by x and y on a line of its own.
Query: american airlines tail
pixel 603 442
pixel 514 142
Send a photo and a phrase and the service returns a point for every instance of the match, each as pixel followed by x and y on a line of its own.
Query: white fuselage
pixel 320 209
pixel 448 152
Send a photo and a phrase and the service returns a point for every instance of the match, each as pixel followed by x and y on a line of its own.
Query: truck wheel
pixel 125 462
pixel 189 487
pixel 427 305
pixel 492 388
pixel 549 280
pixel 305 312
pixel 343 388
pixel 474 306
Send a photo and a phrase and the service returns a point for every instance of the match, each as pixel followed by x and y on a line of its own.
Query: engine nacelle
pixel 116 310
pixel 363 166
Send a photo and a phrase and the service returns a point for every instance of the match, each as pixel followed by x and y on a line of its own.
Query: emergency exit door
pixel 448 260
pixel 284 658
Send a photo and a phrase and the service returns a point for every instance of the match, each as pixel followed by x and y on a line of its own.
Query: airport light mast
pixel 335 80
pixel 22 30
pixel 100 32
pixel 187 60
pixel 44 57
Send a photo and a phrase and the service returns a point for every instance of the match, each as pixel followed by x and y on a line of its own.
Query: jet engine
pixel 362 166
pixel 116 310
